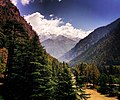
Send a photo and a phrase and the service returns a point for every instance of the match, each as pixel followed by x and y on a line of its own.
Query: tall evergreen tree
pixel 31 76
pixel 65 85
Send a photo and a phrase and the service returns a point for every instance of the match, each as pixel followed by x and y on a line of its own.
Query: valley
pixel 43 57
pixel 59 45
pixel 97 96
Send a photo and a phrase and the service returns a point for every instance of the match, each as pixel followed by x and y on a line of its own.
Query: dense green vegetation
pixel 32 74
pixel 101 67
pixel 87 73
pixel 106 79
pixel 29 73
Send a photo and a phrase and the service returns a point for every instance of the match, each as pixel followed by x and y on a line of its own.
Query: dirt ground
pixel 97 96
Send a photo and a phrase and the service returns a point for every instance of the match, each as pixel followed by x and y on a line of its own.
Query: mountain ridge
pixel 104 52
pixel 14 15
pixel 58 46
pixel 88 41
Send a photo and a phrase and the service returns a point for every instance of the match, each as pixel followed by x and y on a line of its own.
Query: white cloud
pixel 24 2
pixel 14 2
pixel 59 0
pixel 51 15
pixel 56 27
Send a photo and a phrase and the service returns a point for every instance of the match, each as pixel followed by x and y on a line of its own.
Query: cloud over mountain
pixel 55 26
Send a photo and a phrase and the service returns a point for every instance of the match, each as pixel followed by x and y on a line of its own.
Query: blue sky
pixel 84 14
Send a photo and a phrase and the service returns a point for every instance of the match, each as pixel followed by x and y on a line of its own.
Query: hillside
pixel 104 52
pixel 58 46
pixel 90 40
pixel 30 73
pixel 10 12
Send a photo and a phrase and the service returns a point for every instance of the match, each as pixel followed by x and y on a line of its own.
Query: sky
pixel 80 15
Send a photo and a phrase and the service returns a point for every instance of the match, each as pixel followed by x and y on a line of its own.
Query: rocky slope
pixel 89 41
pixel 58 46
pixel 105 52
pixel 10 12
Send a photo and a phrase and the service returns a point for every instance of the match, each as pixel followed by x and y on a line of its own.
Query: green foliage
pixel 31 73
pixel 2 67
pixel 109 81
pixel 1 98
pixel 2 40
pixel 3 58
pixel 87 73
pixel 42 87
pixel 65 89
pixel 103 80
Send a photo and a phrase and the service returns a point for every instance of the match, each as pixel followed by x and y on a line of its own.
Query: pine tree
pixel 65 85
pixel 2 40
pixel 103 80
pixel 31 76
pixel 41 82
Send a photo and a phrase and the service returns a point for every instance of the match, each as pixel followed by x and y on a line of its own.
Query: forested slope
pixel 31 73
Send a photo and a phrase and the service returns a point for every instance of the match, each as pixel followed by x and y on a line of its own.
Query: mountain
pixel 48 36
pixel 54 36
pixel 105 52
pixel 11 13
pixel 59 45
pixel 88 41
pixel 30 72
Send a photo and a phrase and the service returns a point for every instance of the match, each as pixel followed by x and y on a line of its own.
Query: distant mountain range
pixel 86 47
pixel 57 46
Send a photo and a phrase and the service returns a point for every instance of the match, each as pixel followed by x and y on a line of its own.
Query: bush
pixel 1 98
pixel 103 89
